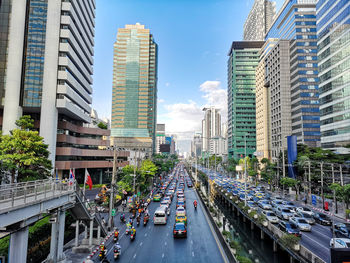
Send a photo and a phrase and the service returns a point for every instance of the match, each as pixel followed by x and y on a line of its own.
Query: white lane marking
pixel 163 255
pixel 192 254
pixel 316 242
pixel 167 234
pixel 145 234
pixel 191 242
pixel 149 227
pixel 166 243
pixel 141 244
pixel 135 256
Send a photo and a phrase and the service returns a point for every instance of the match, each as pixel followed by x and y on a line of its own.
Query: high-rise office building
pixel 134 98
pixel 333 31
pixel 48 64
pixel 242 62
pixel 160 136
pixel 211 126
pixel 296 22
pixel 259 20
pixel 196 145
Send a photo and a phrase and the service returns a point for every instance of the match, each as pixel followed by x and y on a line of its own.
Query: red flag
pixel 88 180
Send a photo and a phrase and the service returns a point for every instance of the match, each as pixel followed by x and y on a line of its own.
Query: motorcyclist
pixel 117 248
pixel 195 203
pixel 116 233
pixel 133 231
pixel 138 218
pixel 122 217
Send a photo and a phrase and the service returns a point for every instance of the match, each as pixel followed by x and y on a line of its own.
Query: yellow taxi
pixel 181 219
pixel 157 198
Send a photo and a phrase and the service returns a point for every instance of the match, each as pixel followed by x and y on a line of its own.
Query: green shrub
pixel 225 233
pixel 252 214
pixel 242 259
pixel 219 224
pixel 235 245
pixel 289 240
pixel 261 218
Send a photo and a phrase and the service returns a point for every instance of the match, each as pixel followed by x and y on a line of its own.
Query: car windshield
pixel 270 214
pixel 292 226
pixel 286 210
pixel 302 221
pixel 323 216
pixel 306 209
pixel 306 215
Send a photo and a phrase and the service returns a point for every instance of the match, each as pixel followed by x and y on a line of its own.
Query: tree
pixel 25 153
pixel 290 182
pixel 102 125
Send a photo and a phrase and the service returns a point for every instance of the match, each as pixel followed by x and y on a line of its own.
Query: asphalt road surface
pixel 155 243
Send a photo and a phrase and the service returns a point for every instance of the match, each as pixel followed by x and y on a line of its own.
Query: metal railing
pixel 27 192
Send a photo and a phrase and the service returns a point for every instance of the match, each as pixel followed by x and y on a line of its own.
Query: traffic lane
pixel 318 241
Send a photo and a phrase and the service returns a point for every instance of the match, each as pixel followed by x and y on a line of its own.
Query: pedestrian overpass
pixel 22 204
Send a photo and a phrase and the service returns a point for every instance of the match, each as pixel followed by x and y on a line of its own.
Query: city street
pixel 155 243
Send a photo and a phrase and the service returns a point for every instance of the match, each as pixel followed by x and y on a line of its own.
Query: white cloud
pixel 183 119
pixel 161 101
pixel 167 84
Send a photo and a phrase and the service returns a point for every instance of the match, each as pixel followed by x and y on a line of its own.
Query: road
pixel 155 243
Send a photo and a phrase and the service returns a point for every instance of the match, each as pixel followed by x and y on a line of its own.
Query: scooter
pixel 127 231
pixel 132 236
pixel 145 220
pixel 123 220
pixel 116 253
pixel 195 206
pixel 115 239
pixel 138 221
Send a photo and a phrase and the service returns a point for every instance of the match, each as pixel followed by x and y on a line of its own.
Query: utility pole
pixel 309 163
pixel 322 185
pixel 334 197
pixel 341 175
pixel 111 198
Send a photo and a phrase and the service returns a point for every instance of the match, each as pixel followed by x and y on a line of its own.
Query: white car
pixel 304 210
pixel 340 243
pixel 271 216
pixel 301 223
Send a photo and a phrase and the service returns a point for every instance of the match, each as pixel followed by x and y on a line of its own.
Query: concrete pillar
pixel 244 219
pixel 49 113
pixel 275 246
pixel 251 225
pixel 53 244
pixel 98 232
pixel 61 225
pixel 86 232
pixel 262 235
pixel 291 259
pixel 237 212
pixel 18 246
pixel 76 233
pixel 91 232
pixel 12 110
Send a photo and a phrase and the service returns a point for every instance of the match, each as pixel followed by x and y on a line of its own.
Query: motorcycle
pixel 138 221
pixel 145 220
pixel 116 253
pixel 102 254
pixel 123 220
pixel 195 206
pixel 127 231
pixel 132 236
pixel 115 239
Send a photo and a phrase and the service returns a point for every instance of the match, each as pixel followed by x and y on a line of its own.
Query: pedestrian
pixel 305 200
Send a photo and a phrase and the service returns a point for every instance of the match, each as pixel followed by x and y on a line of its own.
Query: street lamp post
pixel 111 198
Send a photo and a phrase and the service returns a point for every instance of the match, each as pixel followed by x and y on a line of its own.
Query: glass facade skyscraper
pixel 134 98
pixel 243 60
pixel 333 31
pixel 296 22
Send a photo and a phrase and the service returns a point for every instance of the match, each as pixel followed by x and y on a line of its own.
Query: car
pixel 271 217
pixel 264 204
pixel 306 216
pixel 289 228
pixel 157 197
pixel 283 212
pixel 301 223
pixel 339 243
pixel 180 230
pixel 181 200
pixel 341 230
pixel 322 219
pixel 180 211
pixel 181 219
pixel 181 203
pixel 305 210
pixel 252 205
pixel 276 203
pixel 168 199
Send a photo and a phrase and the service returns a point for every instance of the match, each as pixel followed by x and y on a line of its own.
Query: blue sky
pixel 193 38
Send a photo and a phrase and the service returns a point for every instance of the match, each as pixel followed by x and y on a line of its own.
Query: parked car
pixel 271 217
pixel 322 219
pixel 301 223
pixel 340 243
pixel 289 228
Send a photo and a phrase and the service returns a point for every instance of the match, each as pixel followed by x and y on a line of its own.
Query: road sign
pixel 313 198
pixel 113 212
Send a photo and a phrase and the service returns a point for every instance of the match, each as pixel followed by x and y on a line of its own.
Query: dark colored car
pixel 341 230
pixel 289 228
pixel 322 219
pixel 180 230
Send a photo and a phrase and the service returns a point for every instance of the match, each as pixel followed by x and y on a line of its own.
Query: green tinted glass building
pixel 242 62
pixel 134 98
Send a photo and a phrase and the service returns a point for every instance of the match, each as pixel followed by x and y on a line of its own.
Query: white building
pixel 160 136
pixel 49 64
pixel 211 126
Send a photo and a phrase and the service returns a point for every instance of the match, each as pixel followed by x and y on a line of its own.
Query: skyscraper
pixel 160 137
pixel 259 20
pixel 134 98
pixel 48 64
pixel 333 31
pixel 211 126
pixel 242 62
pixel 296 22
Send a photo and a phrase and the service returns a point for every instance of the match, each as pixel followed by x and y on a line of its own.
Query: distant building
pixel 134 98
pixel 333 64
pixel 259 20
pixel 218 146
pixel 160 136
pixel 211 126
pixel 196 145
pixel 243 60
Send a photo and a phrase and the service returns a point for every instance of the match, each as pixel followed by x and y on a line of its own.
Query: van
pixel 160 215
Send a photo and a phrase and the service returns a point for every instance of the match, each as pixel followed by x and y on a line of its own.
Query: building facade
pixel 296 22
pixel 134 98
pixel 259 20
pixel 48 64
pixel 277 81
pixel 242 62
pixel 211 126
pixel 333 31
pixel 160 136
pixel 196 145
